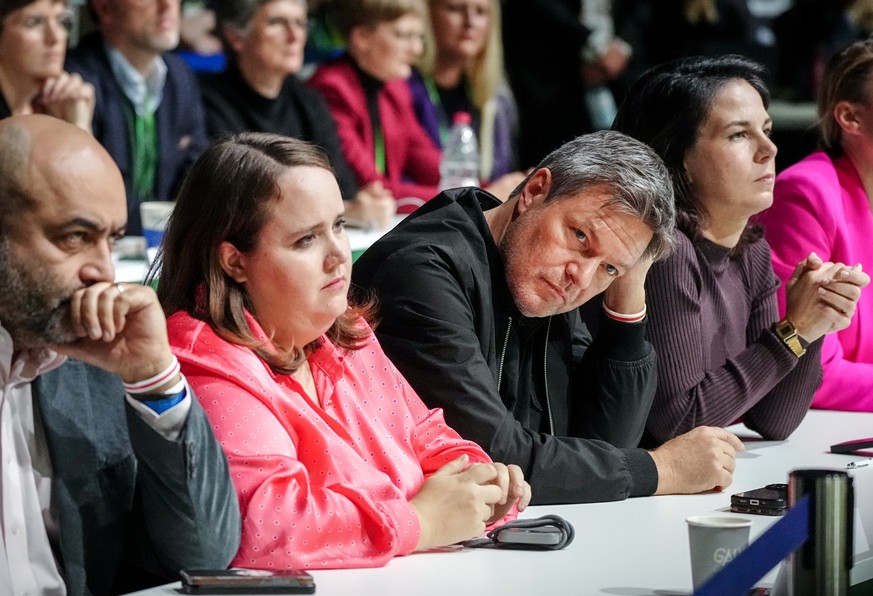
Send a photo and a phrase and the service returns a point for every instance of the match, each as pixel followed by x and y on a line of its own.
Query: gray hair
pixel 238 14
pixel 638 177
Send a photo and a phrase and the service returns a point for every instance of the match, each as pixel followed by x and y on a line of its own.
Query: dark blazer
pixel 181 127
pixel 127 498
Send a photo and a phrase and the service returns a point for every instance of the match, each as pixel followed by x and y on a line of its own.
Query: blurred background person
pixel 599 98
pixel 723 352
pixel 260 92
pixel 370 102
pixel 823 204
pixel 33 43
pixel 808 34
pixel 199 44
pixel 197 28
pixel 148 114
pixel 324 41
pixel 328 445
pixel 461 70
pixel 662 30
pixel 550 73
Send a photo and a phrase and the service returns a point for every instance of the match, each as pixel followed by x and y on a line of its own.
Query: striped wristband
pixel 623 318
pixel 152 383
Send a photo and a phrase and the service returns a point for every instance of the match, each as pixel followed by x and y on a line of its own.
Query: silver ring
pixel 119 287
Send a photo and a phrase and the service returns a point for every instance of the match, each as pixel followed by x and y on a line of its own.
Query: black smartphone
pixel 246 581
pixel 852 446
pixel 768 500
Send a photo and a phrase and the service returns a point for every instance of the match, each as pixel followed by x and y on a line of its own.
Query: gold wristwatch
pixel 787 332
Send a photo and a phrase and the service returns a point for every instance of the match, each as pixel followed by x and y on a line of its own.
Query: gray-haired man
pixel 479 305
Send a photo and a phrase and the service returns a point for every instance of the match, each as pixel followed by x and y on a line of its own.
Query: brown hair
pixel 845 79
pixel 225 197
pixel 348 14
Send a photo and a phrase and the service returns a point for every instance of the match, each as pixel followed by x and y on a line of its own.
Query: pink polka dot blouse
pixel 319 486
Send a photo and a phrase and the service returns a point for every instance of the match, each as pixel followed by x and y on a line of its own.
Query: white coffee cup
pixel 154 216
pixel 715 540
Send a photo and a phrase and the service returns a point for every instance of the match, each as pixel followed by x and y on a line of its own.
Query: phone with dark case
pixel 769 500
pixel 246 581
pixel 852 446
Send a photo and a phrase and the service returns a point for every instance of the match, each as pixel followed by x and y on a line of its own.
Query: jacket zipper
pixel 503 355
pixel 546 378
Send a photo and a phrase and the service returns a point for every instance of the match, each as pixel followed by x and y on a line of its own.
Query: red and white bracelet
pixel 623 318
pixel 149 385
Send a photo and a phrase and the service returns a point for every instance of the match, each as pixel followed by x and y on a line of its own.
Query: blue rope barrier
pixel 771 547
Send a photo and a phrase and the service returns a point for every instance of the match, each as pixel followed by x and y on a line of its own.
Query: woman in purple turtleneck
pixel 723 353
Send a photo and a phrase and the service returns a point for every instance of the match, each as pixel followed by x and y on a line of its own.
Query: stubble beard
pixel 35 308
pixel 511 253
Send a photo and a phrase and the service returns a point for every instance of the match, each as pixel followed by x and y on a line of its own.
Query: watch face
pixel 785 329
pixel 787 332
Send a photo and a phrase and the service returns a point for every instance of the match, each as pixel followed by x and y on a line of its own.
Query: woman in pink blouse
pixel 336 461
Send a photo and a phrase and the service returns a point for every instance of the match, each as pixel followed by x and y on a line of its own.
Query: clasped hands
pixel 460 499
pixel 821 296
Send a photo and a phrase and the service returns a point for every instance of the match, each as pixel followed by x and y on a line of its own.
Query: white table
pixel 635 547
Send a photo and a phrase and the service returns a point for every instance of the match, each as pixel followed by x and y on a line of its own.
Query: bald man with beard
pixel 110 470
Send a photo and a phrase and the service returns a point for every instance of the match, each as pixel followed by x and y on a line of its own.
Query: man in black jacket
pixel 479 310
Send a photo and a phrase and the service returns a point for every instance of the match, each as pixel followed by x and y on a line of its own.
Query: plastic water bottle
pixel 460 162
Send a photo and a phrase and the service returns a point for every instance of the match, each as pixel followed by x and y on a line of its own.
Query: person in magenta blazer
pixel 823 204
pixel 367 94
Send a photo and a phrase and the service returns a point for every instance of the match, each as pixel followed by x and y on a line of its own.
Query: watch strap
pixel 787 332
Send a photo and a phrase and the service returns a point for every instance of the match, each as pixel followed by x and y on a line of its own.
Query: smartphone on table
pixel 768 500
pixel 246 581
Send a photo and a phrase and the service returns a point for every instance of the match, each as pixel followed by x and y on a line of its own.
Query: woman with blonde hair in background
pixel 461 70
